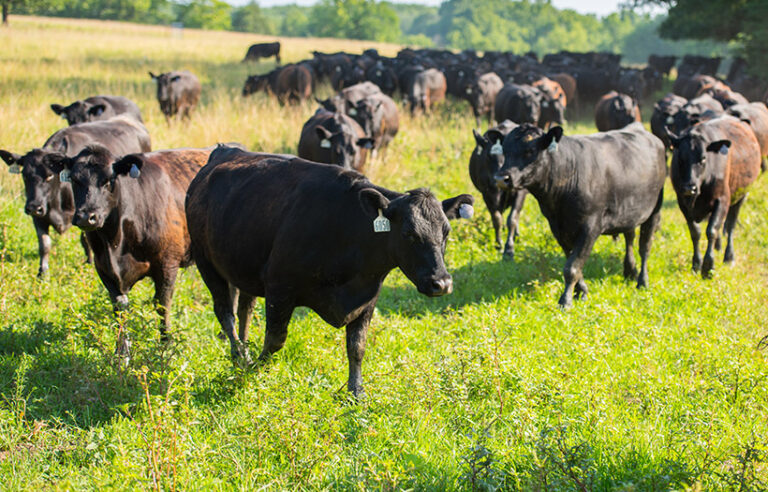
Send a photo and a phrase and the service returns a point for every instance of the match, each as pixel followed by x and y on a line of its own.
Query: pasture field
pixel 491 387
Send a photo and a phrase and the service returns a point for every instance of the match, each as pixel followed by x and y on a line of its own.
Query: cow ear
pixel 552 137
pixel 154 77
pixel 97 109
pixel 372 201
pixel 366 143
pixel 129 165
pixel 175 78
pixel 57 108
pixel 10 158
pixel 327 104
pixel 58 162
pixel 459 207
pixel 720 146
pixel 481 140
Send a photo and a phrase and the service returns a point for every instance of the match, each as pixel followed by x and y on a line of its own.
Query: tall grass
pixel 490 387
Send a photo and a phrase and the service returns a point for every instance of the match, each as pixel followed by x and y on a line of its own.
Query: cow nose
pixel 690 190
pixel 503 181
pixel 92 219
pixel 441 286
pixel 34 210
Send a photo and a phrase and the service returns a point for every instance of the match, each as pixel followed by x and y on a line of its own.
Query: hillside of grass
pixel 492 387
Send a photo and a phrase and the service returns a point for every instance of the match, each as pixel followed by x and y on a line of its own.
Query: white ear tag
pixel 723 150
pixel 14 169
pixel 466 211
pixel 378 73
pixel 381 223
pixel 552 147
pixel 325 143
pixel 64 176
pixel 352 112
pixel 134 172
pixel 497 149
pixel 479 150
pixel 469 90
pixel 544 104
pixel 670 120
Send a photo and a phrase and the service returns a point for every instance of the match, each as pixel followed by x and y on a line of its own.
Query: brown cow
pixel 178 93
pixel 553 102
pixel 615 110
pixel 334 138
pixel 426 88
pixel 713 165
pixel 290 84
pixel 756 115
pixel 136 226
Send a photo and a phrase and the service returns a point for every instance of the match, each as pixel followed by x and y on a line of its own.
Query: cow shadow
pixel 488 281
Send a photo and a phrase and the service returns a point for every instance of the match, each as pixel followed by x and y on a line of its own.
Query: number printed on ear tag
pixel 134 172
pixel 552 147
pixel 497 149
pixel 64 176
pixel 381 223
pixel 14 169
pixel 325 143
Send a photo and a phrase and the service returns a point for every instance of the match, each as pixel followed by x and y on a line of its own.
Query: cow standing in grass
pixel 178 93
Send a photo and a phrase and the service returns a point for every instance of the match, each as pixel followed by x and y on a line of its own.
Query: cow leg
pixel 513 219
pixel 357 333
pixel 43 245
pixel 245 304
pixel 496 219
pixel 630 268
pixel 164 285
pixel 86 248
pixel 646 239
pixel 730 224
pixel 223 308
pixel 695 230
pixel 278 313
pixel 119 304
pixel 572 272
pixel 713 231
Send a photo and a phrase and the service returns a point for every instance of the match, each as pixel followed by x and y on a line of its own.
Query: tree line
pixel 510 25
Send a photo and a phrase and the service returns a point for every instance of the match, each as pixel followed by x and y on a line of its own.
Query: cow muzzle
pixel 690 190
pixel 438 286
pixel 86 221
pixel 34 209
pixel 503 181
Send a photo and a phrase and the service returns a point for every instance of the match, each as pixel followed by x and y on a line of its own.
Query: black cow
pixel 588 185
pixel 664 115
pixel 334 138
pixel 384 77
pixel 324 238
pixel 424 89
pixel 132 211
pixel 694 111
pixel 97 108
pixel 518 103
pixel 263 50
pixel 177 92
pixel 49 201
pixel 484 163
pixel 615 111
pixel 481 94
pixel 713 165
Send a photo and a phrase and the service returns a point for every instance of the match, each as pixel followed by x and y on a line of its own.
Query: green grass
pixel 490 387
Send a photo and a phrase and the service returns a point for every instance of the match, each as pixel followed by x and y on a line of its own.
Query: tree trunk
pixel 5 13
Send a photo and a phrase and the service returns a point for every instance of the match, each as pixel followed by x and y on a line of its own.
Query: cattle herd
pixel 325 237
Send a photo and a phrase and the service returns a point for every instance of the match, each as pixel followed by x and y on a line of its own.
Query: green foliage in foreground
pixel 490 387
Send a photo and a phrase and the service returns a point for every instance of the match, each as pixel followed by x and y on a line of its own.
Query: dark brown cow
pixel 378 116
pixel 178 93
pixel 334 138
pixel 97 108
pixel 756 115
pixel 553 102
pixel 263 50
pixel 290 84
pixel 690 87
pixel 427 88
pixel 615 110
pixel 132 211
pixel 49 201
pixel 664 114
pixel 713 165
pixel 481 94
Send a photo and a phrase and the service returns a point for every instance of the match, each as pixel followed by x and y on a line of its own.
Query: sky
pixel 599 7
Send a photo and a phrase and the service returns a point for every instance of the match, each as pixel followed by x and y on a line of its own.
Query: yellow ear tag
pixel 527 138
pixel 381 223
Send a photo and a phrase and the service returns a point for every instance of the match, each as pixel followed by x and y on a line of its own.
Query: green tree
pixel 295 22
pixel 355 19
pixel 7 5
pixel 250 18
pixel 205 14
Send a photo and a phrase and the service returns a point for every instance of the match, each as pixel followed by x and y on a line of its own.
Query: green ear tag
pixel 14 169
pixel 381 223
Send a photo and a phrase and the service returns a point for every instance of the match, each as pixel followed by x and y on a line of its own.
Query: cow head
pixel 489 149
pixel 255 83
pixel 527 151
pixel 696 158
pixel 368 113
pixel 80 111
pixel 92 173
pixel 342 142
pixel 418 232
pixel 39 169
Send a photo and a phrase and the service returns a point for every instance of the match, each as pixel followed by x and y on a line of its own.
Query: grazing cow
pixel 713 165
pixel 427 88
pixel 384 77
pixel 263 50
pixel 334 138
pixel 615 111
pixel 518 103
pixel 290 84
pixel 484 163
pixel 481 94
pixel 756 115
pixel 378 116
pixel 553 102
pixel 349 97
pixel 324 238
pixel 49 201
pixel 664 115
pixel 177 92
pixel 132 211
pixel 588 185
pixel 694 111
pixel 97 108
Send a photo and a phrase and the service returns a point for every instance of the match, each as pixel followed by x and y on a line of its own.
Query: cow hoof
pixel 642 283
pixel 696 265
pixel 706 268
pixel 498 246
pixel 630 274
pixel 729 257
pixel 42 274
pixel 508 256
pixel 221 336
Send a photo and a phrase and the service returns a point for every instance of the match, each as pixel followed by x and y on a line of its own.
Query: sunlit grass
pixel 630 390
